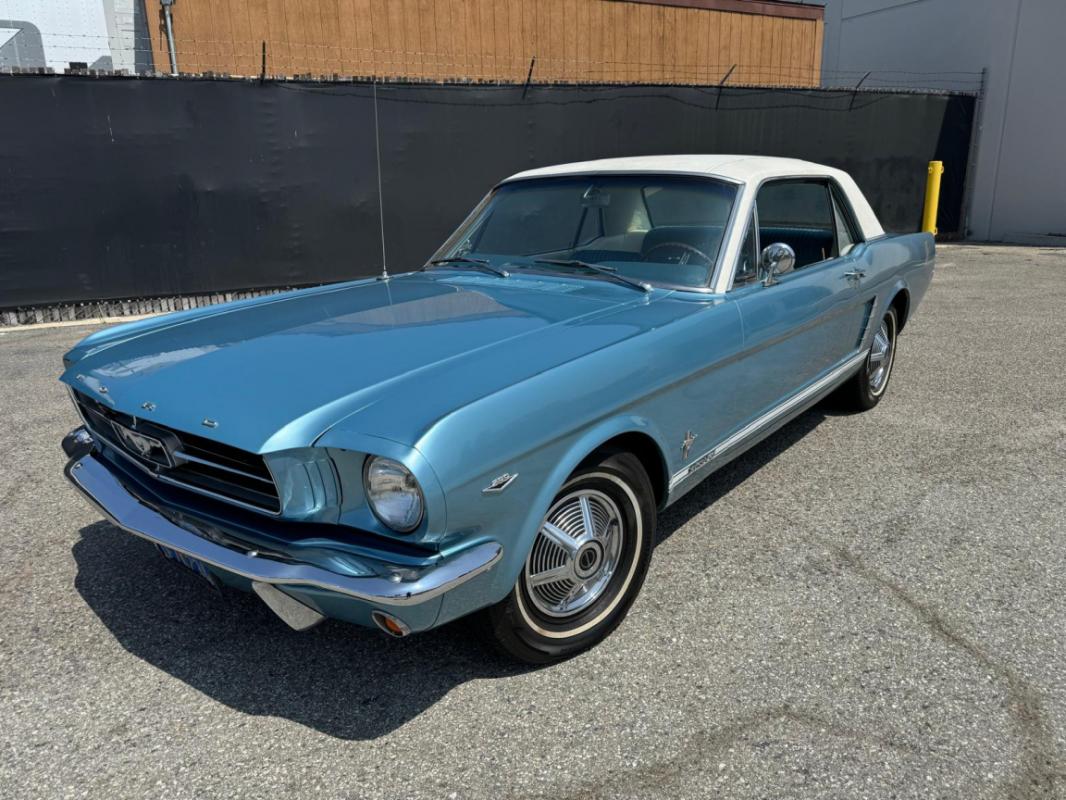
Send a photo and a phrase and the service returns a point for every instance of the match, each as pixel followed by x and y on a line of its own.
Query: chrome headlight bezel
pixel 411 489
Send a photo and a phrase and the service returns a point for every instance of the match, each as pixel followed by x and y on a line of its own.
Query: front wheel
pixel 585 567
pixel 866 388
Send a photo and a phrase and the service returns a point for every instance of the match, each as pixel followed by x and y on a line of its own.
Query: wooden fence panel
pixel 494 40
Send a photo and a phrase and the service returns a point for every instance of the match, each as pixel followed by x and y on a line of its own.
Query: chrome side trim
pixel 773 415
pixel 389 586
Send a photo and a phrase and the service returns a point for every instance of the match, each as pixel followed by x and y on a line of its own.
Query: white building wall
pixel 122 33
pixel 1018 189
pixel 103 34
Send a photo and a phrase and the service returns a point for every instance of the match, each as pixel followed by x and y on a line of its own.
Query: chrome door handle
pixel 855 275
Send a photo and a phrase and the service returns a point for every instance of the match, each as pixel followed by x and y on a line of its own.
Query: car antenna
pixel 381 200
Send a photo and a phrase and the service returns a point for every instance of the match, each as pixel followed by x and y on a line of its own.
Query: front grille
pixel 199 464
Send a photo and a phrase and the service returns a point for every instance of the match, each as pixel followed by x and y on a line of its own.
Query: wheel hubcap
pixel 575 553
pixel 880 361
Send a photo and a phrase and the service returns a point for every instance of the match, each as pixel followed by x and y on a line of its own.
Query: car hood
pixel 281 371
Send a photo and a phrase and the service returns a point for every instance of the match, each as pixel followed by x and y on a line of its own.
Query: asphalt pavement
pixel 862 606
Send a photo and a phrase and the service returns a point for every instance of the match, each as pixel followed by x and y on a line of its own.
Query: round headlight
pixel 394 494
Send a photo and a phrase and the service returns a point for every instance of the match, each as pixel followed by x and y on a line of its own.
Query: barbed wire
pixel 105 39
pixel 244 57
pixel 200 46
pixel 804 98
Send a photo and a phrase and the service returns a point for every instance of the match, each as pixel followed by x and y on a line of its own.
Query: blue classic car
pixel 496 431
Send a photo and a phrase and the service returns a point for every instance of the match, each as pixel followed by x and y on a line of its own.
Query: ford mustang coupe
pixel 495 431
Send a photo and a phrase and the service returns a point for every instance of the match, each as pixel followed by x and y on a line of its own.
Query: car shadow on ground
pixel 342 680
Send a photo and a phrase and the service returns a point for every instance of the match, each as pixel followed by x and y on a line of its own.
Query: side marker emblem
pixel 500 483
pixel 686 444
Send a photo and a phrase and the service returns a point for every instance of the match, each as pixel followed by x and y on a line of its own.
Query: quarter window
pixel 846 236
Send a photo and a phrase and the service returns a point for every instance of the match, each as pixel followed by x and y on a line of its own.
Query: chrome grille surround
pixel 200 465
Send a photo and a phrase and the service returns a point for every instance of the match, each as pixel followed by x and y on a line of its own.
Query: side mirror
pixel 777 259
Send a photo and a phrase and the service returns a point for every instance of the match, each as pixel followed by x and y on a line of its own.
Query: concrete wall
pixel 1018 192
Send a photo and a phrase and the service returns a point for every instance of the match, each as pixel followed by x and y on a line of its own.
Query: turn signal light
pixel 389 624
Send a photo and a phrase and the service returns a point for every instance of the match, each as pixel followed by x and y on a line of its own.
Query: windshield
pixel 663 229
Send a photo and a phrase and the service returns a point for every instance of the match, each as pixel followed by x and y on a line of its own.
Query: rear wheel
pixel 866 388
pixel 585 567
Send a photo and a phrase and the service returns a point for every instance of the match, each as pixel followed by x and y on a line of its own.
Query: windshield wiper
pixel 599 269
pixel 476 263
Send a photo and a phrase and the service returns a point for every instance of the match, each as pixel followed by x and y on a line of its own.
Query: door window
pixel 798 213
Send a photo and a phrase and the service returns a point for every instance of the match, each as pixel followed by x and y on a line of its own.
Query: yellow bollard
pixel 932 196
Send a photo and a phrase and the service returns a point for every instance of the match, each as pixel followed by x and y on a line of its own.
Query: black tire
pixel 520 626
pixel 863 390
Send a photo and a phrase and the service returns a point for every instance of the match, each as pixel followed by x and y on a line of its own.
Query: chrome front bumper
pixel 385 586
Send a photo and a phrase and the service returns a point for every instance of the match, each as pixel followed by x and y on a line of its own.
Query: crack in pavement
pixel 706 744
pixel 1042 765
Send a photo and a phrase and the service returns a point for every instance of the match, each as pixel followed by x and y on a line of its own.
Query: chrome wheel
pixel 879 364
pixel 586 563
pixel 576 552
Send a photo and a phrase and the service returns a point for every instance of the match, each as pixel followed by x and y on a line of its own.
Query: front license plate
pixel 188 563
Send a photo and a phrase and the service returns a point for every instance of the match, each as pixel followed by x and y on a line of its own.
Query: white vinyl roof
pixel 748 170
pixel 744 169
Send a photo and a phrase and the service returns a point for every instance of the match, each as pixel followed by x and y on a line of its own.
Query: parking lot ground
pixel 862 606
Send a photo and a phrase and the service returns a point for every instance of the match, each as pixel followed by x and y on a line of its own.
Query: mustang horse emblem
pixel 147 447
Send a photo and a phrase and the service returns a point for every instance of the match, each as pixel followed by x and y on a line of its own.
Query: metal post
pixel 529 76
pixel 932 196
pixel 168 23
pixel 721 83
pixel 855 89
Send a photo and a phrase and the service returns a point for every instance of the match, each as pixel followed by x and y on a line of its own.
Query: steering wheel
pixel 687 251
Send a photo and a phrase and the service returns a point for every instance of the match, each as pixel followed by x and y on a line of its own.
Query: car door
pixel 810 320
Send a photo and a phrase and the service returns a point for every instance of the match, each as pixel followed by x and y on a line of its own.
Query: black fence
pixel 113 187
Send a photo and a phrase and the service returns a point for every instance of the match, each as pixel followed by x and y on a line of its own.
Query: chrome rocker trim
pixel 106 493
pixel 769 418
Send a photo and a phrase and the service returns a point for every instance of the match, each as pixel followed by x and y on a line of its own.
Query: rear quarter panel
pixel 895 263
